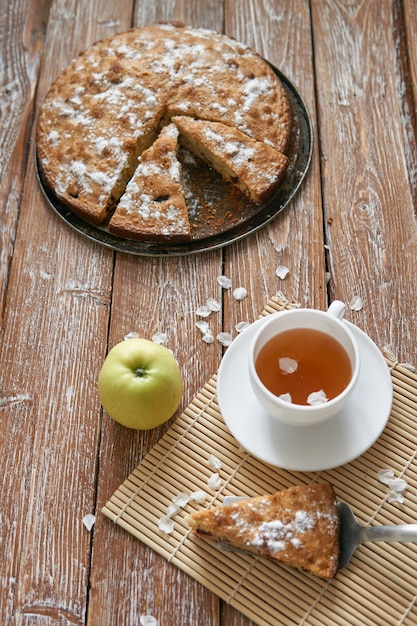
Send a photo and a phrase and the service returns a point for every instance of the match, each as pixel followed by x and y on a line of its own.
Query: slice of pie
pixel 256 168
pixel 153 205
pixel 297 526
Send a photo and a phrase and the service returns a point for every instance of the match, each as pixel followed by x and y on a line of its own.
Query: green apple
pixel 140 384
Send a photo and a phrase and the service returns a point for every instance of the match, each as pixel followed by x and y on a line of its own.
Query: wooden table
pixel 350 231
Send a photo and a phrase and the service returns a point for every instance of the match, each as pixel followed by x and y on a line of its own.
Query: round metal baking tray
pixel 219 213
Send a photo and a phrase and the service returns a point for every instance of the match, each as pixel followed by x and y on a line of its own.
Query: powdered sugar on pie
pixel 110 104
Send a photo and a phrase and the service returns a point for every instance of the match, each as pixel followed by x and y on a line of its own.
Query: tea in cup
pixel 304 364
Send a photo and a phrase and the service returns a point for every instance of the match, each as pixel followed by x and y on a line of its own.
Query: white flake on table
pixel 147 620
pixel 89 521
pixel 203 311
pixel 181 499
pixel 356 303
pixel 202 325
pixel 282 271
pixel 386 475
pixel 225 339
pixel 160 338
pixel 214 482
pixel 131 335
pixel 208 337
pixel 207 334
pixel 395 496
pixel 396 486
pixel 240 293
pixel 224 282
pixel 214 462
pixel 166 525
pixel 213 304
pixel 172 509
pixel 198 496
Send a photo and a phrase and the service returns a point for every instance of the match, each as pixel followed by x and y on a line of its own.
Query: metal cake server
pixel 352 534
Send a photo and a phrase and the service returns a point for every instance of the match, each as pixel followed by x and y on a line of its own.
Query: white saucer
pixel 305 448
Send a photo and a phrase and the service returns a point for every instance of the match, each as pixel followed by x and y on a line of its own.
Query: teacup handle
pixel 337 309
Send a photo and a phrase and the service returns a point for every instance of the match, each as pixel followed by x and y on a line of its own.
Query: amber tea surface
pixel 304 366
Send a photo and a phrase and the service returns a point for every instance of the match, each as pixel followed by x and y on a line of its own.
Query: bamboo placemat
pixel 379 585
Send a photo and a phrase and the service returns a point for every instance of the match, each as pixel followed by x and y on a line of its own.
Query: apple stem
pixel 140 372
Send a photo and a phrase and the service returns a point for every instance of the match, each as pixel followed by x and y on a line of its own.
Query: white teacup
pixel 281 405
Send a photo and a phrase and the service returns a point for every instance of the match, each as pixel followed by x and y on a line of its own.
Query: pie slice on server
pixel 298 526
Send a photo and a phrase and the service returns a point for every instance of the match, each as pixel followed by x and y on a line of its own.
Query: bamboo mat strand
pixel 379 585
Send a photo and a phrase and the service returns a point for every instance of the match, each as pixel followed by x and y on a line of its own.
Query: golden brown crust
pixel 153 204
pixel 297 526
pixel 108 106
pixel 254 167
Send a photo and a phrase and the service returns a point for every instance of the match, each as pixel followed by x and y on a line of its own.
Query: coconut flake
pixel 198 496
pixel 395 496
pixel 213 305
pixel 160 338
pixel 397 485
pixel 288 365
pixel 181 499
pixel 208 337
pixel 172 510
pixel 286 397
pixel 178 502
pixel 356 303
pixel 385 475
pixel 203 311
pixel 282 271
pixel 240 293
pixel 225 339
pixel 317 397
pixel 89 521
pixel 214 482
pixel 131 335
pixel 224 282
pixel 202 325
pixel 214 462
pixel 166 525
pixel 241 326
pixel 147 620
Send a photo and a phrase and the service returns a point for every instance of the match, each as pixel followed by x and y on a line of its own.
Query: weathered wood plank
pixel 405 14
pixel 197 13
pixel 280 32
pixel 370 223
pixel 149 296
pixel 21 44
pixel 60 286
pixel 153 295
pixel 294 238
pixel 410 25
